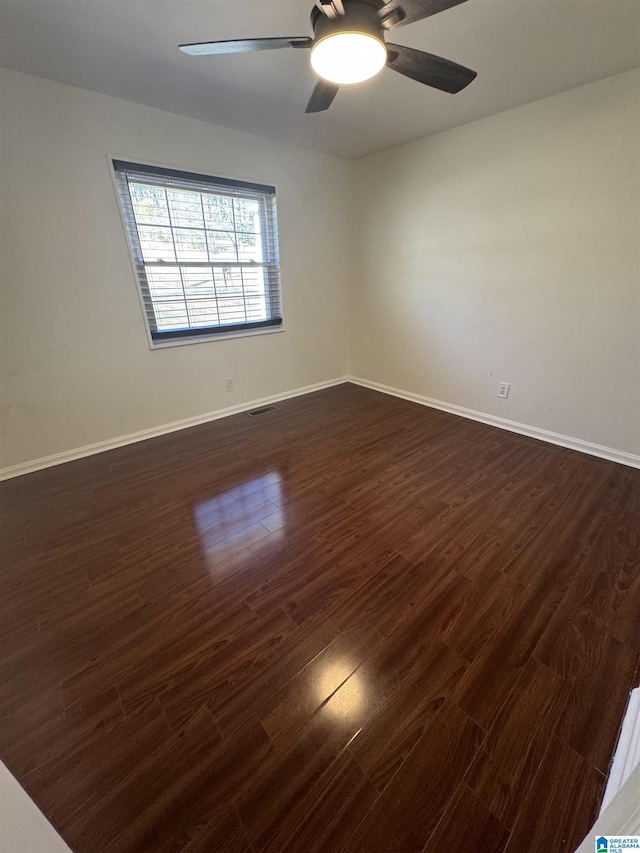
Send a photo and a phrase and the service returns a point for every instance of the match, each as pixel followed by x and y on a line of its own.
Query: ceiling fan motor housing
pixel 360 16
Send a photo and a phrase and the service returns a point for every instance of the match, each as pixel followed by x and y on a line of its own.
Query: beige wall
pixel 509 250
pixel 503 250
pixel 76 365
pixel 23 827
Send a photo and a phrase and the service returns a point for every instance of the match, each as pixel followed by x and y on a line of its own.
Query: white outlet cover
pixel 503 389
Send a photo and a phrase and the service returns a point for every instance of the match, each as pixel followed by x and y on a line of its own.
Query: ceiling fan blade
pixel 429 69
pixel 397 13
pixel 322 96
pixel 209 48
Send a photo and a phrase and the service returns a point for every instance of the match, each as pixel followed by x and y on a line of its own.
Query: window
pixel 205 249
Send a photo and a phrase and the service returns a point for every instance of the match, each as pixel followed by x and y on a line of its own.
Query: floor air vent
pixel 262 411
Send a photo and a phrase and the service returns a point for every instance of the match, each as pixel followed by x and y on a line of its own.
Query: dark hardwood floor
pixel 350 624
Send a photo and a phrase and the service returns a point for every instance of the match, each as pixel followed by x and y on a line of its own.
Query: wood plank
pixel 326 817
pixel 290 708
pixel 562 804
pixel 298 769
pixel 415 800
pixel 468 825
pixel 505 767
pixel 170 810
pixel 384 743
pixel 592 719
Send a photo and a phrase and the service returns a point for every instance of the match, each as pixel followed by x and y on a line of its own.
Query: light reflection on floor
pixel 236 519
pixel 344 687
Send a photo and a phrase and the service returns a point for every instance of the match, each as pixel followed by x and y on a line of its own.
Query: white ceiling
pixel 523 50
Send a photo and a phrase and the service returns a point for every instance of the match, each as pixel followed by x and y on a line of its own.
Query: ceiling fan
pixel 348 46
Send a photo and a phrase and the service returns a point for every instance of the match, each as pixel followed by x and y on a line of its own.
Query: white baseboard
pixel 143 435
pixel 609 453
pixel 627 754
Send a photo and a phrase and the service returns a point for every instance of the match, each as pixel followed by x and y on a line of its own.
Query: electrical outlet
pixel 503 390
pixel 229 384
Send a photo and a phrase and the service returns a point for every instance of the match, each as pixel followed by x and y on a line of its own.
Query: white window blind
pixel 205 249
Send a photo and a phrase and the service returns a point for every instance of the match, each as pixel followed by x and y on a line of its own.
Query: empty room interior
pixel 320 437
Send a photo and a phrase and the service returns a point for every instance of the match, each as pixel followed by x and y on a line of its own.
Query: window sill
pixel 220 336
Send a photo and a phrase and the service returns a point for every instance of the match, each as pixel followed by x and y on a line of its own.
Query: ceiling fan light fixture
pixel 346 58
